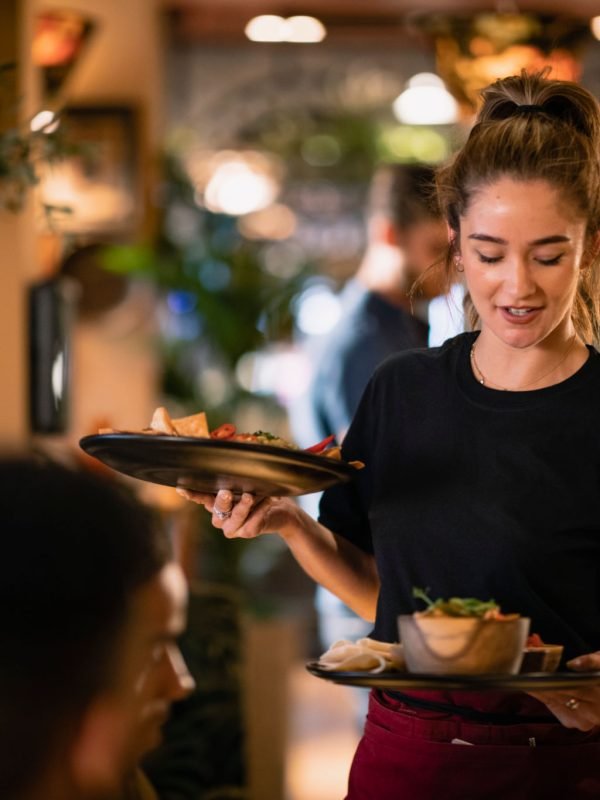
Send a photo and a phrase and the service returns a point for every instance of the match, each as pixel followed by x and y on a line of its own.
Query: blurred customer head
pixel 90 606
pixel 406 233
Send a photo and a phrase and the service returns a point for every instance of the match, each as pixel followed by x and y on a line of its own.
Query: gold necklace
pixel 484 382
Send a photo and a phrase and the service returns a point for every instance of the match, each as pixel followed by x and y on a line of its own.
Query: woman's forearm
pixel 333 562
pixel 330 560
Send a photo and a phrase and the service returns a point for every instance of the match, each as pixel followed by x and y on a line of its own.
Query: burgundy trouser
pixel 409 754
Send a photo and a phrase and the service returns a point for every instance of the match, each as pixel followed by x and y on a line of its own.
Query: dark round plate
pixel 207 465
pixel 530 681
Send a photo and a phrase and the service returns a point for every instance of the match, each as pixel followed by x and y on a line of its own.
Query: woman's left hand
pixel 576 708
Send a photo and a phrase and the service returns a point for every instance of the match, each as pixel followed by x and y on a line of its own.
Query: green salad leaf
pixel 455 606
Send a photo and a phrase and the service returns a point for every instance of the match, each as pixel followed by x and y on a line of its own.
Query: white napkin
pixel 364 655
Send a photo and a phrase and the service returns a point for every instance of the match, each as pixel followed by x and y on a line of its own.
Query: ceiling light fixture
pixel 304 30
pixel 297 30
pixel 266 28
pixel 426 101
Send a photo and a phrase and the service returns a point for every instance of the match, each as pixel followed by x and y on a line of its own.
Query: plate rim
pixel 507 681
pixel 208 465
pixel 312 459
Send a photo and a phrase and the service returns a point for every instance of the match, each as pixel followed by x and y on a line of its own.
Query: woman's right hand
pixel 247 518
pixel 329 559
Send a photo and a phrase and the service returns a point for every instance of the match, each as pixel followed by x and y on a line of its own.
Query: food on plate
pixel 192 425
pixel 364 655
pixel 462 636
pixel 228 432
pixel 196 425
pixel 540 656
pixel 534 640
pixel 162 423
pixel 224 431
pixel 324 444
pixel 460 607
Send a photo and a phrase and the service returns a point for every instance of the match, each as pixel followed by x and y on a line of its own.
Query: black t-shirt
pixel 471 491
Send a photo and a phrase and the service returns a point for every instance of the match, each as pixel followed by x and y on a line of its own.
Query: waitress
pixel 482 458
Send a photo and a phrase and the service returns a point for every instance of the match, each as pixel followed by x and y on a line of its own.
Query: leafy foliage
pixel 23 152
pixel 456 606
pixel 235 304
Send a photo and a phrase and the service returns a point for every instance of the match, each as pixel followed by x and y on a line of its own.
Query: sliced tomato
pixel 225 431
pixel 319 446
pixel 534 640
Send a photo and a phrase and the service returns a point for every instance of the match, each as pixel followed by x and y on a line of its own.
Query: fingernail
pixel 181 492
pixel 246 497
pixel 575 662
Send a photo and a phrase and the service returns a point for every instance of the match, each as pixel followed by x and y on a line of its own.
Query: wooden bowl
pixel 462 645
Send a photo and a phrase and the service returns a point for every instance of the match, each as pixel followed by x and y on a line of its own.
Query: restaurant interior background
pixel 181 198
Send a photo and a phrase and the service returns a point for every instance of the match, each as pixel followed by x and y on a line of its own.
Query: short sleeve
pixel 344 508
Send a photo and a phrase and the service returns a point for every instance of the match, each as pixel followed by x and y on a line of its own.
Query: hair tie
pixel 529 109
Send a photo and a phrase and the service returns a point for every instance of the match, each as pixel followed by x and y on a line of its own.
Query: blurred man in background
pixel 379 317
pixel 90 607
pixel 405 237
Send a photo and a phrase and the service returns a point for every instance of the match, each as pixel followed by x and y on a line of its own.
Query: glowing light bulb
pixel 425 101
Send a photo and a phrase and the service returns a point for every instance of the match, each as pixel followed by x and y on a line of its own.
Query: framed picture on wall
pixel 97 190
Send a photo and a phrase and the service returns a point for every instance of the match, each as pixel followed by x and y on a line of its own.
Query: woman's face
pixel 521 247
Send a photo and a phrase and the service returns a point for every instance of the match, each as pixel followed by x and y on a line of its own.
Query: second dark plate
pixel 528 681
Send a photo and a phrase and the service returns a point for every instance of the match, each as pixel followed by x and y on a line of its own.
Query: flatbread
pixel 194 425
pixel 162 422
